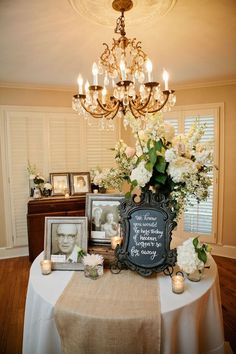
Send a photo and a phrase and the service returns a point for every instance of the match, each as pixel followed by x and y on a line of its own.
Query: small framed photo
pixel 66 241
pixel 60 183
pixel 80 183
pixel 103 217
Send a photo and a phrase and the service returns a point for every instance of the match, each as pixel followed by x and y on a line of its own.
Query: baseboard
pixel 224 251
pixel 14 252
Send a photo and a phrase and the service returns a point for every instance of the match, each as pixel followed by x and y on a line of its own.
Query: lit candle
pixel 104 92
pixel 149 69
pixel 46 266
pixel 95 74
pixel 86 87
pixel 80 84
pixel 67 195
pixel 122 70
pixel 115 240
pixel 165 77
pixel 95 191
pixel 177 284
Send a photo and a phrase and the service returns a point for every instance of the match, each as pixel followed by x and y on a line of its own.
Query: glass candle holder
pixel 46 266
pixel 177 284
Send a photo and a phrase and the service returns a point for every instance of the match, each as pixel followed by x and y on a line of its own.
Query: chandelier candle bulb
pixel 165 77
pixel 149 69
pixel 46 266
pixel 122 70
pixel 86 86
pixel 104 92
pixel 95 74
pixel 115 240
pixel 80 84
pixel 177 284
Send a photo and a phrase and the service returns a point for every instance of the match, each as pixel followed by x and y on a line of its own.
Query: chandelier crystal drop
pixel 127 79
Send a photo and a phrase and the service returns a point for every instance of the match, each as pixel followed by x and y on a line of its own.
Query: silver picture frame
pixel 103 217
pixel 64 237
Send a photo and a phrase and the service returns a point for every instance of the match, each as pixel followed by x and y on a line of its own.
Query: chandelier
pixel 128 84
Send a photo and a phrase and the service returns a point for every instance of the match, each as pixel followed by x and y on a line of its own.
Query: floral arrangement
pixel 192 255
pixel 93 260
pixel 177 166
pixel 106 178
pixel 38 180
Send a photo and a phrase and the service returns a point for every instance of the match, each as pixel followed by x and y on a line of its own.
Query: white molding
pixel 14 252
pixel 70 88
pixel 204 84
pixel 224 251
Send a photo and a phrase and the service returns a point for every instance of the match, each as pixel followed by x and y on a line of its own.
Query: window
pixel 55 140
pixel 200 219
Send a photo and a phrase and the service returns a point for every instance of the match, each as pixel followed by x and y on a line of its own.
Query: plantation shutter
pixel 198 217
pixel 25 132
pixel 99 146
pixel 55 140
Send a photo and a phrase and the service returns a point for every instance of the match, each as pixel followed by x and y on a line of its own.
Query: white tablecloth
pixel 191 323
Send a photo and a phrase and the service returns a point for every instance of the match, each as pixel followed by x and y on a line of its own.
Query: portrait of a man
pixel 67 242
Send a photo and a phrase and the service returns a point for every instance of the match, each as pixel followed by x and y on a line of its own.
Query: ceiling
pixel 47 42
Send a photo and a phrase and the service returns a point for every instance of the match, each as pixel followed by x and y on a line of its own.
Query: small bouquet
pixel 93 265
pixel 192 255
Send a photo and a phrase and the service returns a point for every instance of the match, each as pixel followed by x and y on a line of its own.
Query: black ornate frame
pixel 148 201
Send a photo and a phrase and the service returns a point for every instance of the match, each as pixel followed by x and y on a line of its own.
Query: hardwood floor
pixel 14 274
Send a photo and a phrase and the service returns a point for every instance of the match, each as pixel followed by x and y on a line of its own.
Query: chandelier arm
pixel 163 104
pixel 107 109
pixel 141 107
pixel 115 113
pixel 95 115
pixel 132 109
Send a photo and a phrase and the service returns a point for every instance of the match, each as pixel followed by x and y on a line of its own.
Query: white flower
pixel 187 258
pixel 92 260
pixel 141 174
pixel 48 186
pixel 170 155
pixel 179 168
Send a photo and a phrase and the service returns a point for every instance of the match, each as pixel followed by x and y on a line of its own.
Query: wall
pixel 214 94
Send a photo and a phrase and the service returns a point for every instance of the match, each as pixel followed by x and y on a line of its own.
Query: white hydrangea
pixel 92 260
pixel 141 174
pixel 187 258
pixel 181 167
pixel 170 155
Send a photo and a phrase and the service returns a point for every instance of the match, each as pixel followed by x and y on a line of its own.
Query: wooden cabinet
pixel 39 209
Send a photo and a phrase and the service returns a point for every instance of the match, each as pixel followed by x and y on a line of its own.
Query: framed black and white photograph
pixel 103 217
pixel 60 183
pixel 80 183
pixel 65 241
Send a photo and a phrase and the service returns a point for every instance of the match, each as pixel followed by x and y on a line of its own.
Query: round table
pixel 191 322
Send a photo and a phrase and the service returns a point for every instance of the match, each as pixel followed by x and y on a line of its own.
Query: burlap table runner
pixel 115 314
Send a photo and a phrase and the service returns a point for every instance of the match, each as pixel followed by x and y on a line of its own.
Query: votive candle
pixel 115 240
pixel 177 284
pixel 46 266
